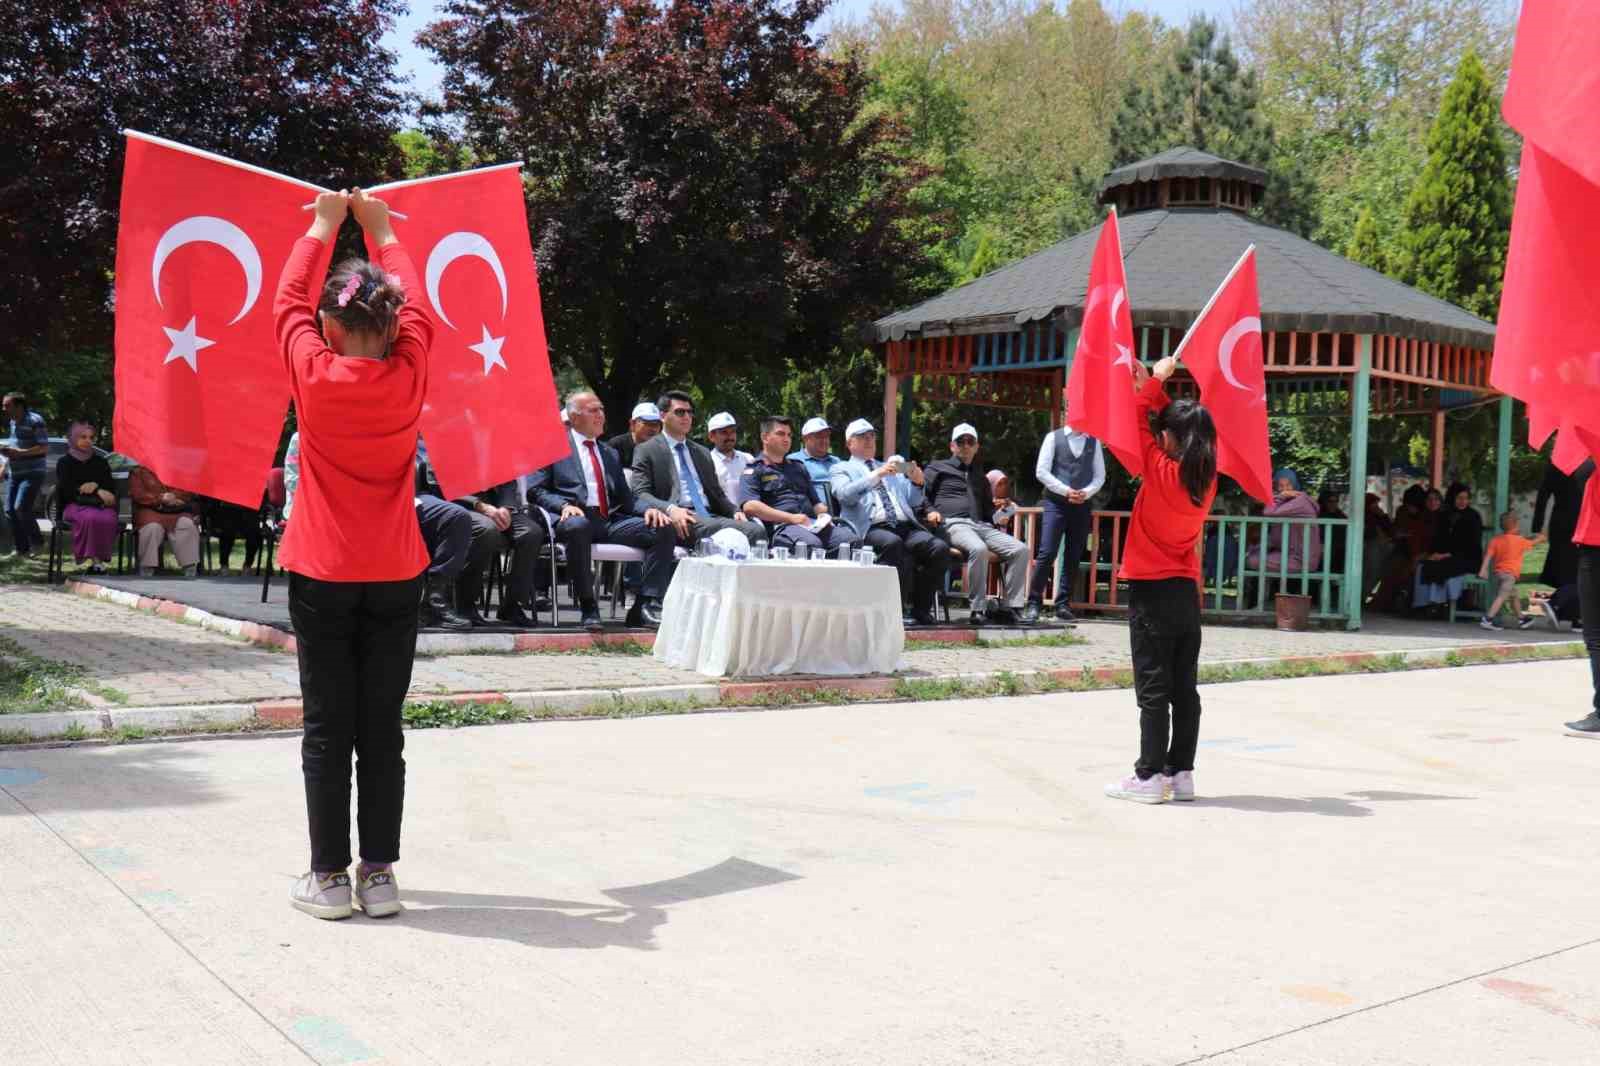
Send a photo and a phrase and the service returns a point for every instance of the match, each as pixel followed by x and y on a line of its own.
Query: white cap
pixel 963 430
pixel 646 412
pixel 814 425
pixel 720 420
pixel 858 427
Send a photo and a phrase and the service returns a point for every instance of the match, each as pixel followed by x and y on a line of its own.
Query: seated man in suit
pixel 779 491
pixel 589 494
pixel 879 502
pixel 674 474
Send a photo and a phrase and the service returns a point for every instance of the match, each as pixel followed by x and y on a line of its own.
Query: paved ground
pixel 158 661
pixel 1386 869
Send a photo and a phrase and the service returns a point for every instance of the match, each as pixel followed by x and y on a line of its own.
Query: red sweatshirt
pixel 354 517
pixel 1588 531
pixel 1166 524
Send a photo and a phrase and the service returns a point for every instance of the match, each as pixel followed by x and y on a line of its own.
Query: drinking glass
pixel 758 552
pixel 819 555
pixel 780 555
pixel 868 556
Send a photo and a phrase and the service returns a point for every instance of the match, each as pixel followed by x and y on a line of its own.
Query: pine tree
pixel 1458 215
pixel 1365 247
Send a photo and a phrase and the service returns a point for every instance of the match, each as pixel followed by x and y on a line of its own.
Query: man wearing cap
pixel 879 502
pixel 816 436
pixel 675 475
pixel 645 423
pixel 723 433
pixel 779 491
pixel 957 498
pixel 1072 468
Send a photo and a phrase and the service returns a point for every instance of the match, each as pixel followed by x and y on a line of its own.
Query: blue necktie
pixel 891 514
pixel 690 482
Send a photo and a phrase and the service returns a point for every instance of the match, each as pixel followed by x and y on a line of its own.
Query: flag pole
pixel 215 158
pixel 1201 316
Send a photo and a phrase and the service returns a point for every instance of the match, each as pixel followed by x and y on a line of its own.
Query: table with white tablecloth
pixel 759 618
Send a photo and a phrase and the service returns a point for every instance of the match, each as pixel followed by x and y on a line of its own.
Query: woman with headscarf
pixel 1413 533
pixel 163 515
pixel 1305 540
pixel 86 497
pixel 1457 550
pixel 1004 505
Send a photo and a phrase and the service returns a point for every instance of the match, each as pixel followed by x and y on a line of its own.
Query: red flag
pixel 1223 352
pixel 1100 399
pixel 1554 86
pixel 490 413
pixel 200 386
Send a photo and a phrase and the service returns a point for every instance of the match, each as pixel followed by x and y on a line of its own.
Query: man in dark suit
pixel 677 477
pixel 589 494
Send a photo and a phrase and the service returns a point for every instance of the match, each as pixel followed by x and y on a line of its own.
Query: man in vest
pixel 1072 468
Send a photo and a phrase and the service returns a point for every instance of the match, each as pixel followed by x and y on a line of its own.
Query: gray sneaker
pixel 322 897
pixel 378 893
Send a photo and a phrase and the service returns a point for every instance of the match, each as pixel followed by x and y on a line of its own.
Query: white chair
pixel 600 554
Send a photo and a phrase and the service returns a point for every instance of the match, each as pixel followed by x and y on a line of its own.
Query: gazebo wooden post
pixel 1438 446
pixel 1502 464
pixel 1360 412
pixel 891 412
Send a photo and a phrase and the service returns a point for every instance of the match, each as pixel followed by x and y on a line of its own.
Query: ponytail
pixel 1196 436
pixel 362 297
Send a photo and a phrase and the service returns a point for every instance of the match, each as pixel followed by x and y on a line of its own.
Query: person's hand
pixel 740 516
pixel 933 518
pixel 333 207
pixel 795 518
pixel 87 488
pixel 371 213
pixel 914 472
pixel 1164 368
pixel 106 498
pixel 498 515
pixel 655 518
pixel 1140 375
pixel 169 499
pixel 681 518
pixel 889 468
pixel 572 510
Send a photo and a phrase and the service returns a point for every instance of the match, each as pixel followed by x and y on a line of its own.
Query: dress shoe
pixel 439 613
pixel 542 603
pixel 924 618
pixel 589 618
pixel 1000 614
pixel 1064 614
pixel 514 615
pixel 1030 614
pixel 644 612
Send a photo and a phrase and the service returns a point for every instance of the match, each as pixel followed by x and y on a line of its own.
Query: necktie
pixel 599 480
pixel 690 482
pixel 891 512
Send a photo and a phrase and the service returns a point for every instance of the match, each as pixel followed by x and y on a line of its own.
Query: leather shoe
pixel 1002 614
pixel 589 618
pixel 644 612
pixel 907 618
pixel 542 603
pixel 924 618
pixel 438 613
pixel 1064 614
pixel 514 615
pixel 1030 614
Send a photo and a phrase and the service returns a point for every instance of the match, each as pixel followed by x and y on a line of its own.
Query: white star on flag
pixel 489 349
pixel 185 344
pixel 1126 358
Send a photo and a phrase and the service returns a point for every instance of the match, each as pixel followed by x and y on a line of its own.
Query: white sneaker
pixel 1489 623
pixel 1152 789
pixel 1181 786
pixel 378 893
pixel 322 897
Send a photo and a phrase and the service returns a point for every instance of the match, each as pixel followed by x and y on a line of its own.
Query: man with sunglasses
pixel 676 476
pixel 957 499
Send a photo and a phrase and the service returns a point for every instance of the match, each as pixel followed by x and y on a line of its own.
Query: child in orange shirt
pixel 1504 555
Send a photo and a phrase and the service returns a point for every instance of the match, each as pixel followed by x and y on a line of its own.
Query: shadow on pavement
pixel 124 778
pixel 1332 806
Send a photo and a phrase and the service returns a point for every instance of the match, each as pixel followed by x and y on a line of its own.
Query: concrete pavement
pixel 1382 869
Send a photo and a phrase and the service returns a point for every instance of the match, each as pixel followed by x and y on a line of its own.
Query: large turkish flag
pixel 490 413
pixel 200 388
pixel 1223 352
pixel 1100 400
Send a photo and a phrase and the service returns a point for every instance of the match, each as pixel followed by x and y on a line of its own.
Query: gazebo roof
pixel 1174 260
pixel 1181 162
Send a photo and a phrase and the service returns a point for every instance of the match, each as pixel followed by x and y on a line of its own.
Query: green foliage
pixel 444 714
pixel 1365 247
pixel 1458 216
pixel 29 683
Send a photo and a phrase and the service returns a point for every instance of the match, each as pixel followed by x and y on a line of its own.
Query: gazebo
pixel 1339 340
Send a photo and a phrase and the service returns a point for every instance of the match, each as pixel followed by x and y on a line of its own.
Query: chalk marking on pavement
pixel 1389 1002
pixel 180 945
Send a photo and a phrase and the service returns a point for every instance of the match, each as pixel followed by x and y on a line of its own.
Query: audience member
pixel 447 532
pixel 28 453
pixel 677 476
pixel 957 498
pixel 1413 535
pixel 879 502
pixel 1457 551
pixel 161 515
pixel 779 490
pixel 643 425
pixel 588 492
pixel 1377 543
pixel 723 433
pixel 1072 469
pixel 1338 536
pixel 229 523
pixel 86 496
pixel 1503 558
pixel 816 438
pixel 1304 541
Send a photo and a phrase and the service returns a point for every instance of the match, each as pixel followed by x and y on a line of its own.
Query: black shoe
pixel 644 612
pixel 514 615
pixel 907 618
pixel 589 618
pixel 977 618
pixel 1002 615
pixel 439 613
pixel 1030 614
pixel 1064 614
pixel 924 618
pixel 1591 724
pixel 542 603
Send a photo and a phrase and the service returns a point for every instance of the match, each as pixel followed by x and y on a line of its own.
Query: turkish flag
pixel 490 411
pixel 1554 87
pixel 1223 352
pixel 200 387
pixel 1100 400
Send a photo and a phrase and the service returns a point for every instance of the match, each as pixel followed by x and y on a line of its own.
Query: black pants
pixel 579 534
pixel 524 539
pixel 1589 607
pixel 921 558
pixel 1164 634
pixel 355 641
pixel 1059 519
pixel 231 522
pixel 835 535
pixel 447 531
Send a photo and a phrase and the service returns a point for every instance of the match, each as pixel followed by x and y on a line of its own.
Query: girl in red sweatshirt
pixel 1162 570
pixel 357 371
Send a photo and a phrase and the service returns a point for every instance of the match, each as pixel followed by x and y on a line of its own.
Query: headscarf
pixel 1285 474
pixel 72 436
pixel 995 477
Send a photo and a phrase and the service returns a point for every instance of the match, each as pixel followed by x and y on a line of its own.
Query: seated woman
pixel 86 497
pixel 1004 505
pixel 1457 551
pixel 1305 541
pixel 230 523
pixel 161 515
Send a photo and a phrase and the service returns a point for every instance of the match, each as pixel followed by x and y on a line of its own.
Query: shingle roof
pixel 1174 260
pixel 1182 162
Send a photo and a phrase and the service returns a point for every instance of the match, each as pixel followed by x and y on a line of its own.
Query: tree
pixel 240 78
pixel 704 188
pixel 1458 216
pixel 1364 245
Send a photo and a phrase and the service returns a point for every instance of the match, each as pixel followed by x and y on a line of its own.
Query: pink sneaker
pixel 1151 790
pixel 1181 785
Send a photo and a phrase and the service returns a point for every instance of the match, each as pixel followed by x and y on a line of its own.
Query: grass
pixel 24 570
pixel 29 684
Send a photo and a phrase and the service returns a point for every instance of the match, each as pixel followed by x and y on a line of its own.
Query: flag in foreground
pixel 1100 400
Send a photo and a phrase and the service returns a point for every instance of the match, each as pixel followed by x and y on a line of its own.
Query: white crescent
pixel 212 230
pixel 451 247
pixel 1117 301
pixel 1236 332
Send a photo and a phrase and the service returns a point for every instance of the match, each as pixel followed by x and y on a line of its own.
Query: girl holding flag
pixel 1162 570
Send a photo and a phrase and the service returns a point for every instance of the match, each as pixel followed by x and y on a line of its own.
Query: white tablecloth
pixel 755 619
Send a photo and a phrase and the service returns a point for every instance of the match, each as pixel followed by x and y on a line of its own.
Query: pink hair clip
pixel 393 279
pixel 351 287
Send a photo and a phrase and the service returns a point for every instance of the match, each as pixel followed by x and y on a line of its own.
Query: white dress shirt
pixel 1044 469
pixel 581 444
pixel 730 468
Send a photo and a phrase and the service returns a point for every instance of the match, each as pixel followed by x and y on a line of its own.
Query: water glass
pixel 819 555
pixel 868 556
pixel 706 547
pixel 780 555
pixel 758 551
pixel 859 557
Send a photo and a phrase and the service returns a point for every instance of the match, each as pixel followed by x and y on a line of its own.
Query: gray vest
pixel 1075 471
